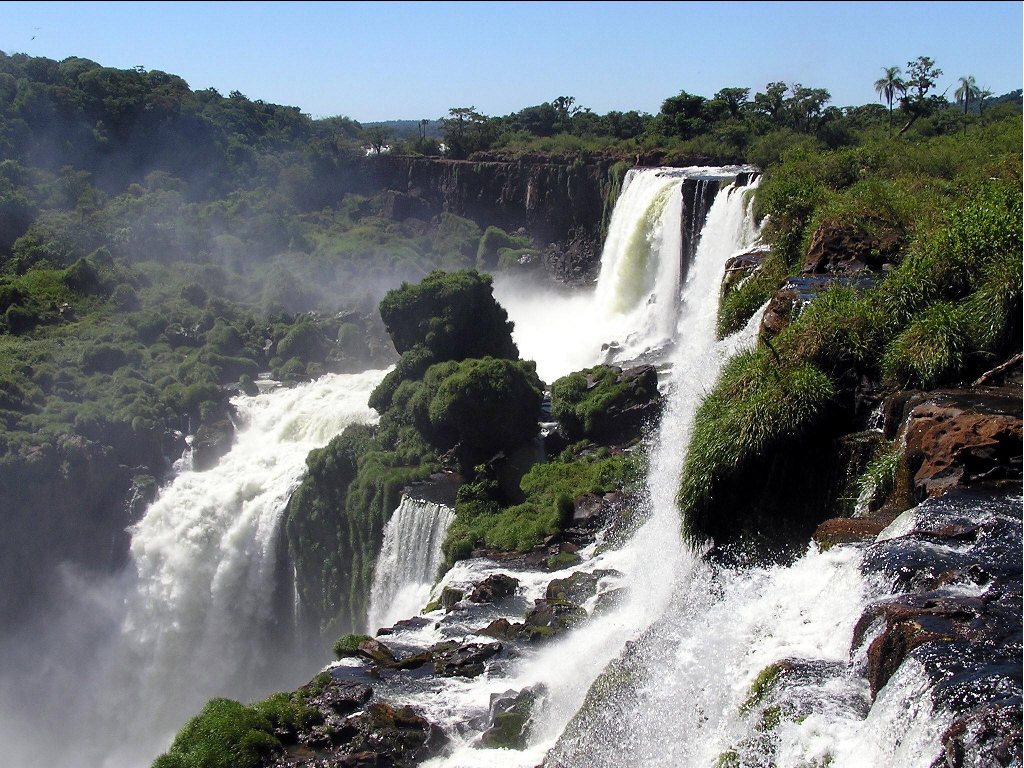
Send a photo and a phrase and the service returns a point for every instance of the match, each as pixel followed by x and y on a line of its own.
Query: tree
pixel 888 86
pixel 463 130
pixel 376 136
pixel 735 99
pixel 983 94
pixel 967 91
pixel 921 76
pixel 772 102
pixel 806 105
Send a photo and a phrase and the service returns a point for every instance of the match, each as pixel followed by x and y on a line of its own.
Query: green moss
pixel 761 687
pixel 492 242
pixel 225 734
pixel 348 645
pixel 586 402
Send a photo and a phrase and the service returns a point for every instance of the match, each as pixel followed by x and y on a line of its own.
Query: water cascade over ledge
pixel 410 556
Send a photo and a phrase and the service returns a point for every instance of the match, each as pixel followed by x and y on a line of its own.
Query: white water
pixel 702 634
pixel 568 667
pixel 192 615
pixel 634 307
pixel 407 566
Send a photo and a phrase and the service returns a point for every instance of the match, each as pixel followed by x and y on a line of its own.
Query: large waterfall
pixel 409 558
pixel 193 616
pixel 567 668
pixel 633 310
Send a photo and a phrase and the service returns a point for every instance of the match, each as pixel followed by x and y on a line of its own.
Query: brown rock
pixel 847 248
pixel 950 444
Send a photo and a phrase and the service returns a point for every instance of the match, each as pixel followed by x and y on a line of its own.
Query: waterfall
pixel 410 556
pixel 192 616
pixel 567 668
pixel 633 310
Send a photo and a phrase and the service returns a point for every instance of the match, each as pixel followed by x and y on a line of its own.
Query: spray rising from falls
pixel 410 556
pixel 633 310
pixel 196 614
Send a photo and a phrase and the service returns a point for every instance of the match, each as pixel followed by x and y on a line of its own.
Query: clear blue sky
pixel 376 61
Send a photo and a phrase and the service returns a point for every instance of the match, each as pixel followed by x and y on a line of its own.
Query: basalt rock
pixel 211 442
pixel 841 248
pixel 956 561
pixel 463 660
pixel 741 266
pixel 964 439
pixel 494 588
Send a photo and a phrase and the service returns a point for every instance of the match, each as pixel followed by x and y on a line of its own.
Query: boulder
pixel 552 617
pixel 463 660
pixel 376 651
pixel 495 587
pixel 845 248
pixel 211 442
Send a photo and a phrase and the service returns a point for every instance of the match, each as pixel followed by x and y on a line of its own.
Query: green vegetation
pixel 944 213
pixel 586 403
pixel 481 520
pixel 348 645
pixel 460 412
pixel 227 734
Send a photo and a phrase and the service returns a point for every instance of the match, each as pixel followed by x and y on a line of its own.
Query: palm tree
pixel 983 94
pixel 886 87
pixel 968 90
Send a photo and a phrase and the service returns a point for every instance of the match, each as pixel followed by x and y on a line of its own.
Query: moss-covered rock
pixel 605 403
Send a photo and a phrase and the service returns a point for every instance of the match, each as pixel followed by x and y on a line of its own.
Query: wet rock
pixel 494 588
pixel 577 588
pixel 961 439
pixel 376 651
pixel 398 736
pixel 741 266
pixel 343 697
pixel 610 600
pixel 211 442
pixel 463 660
pixel 416 622
pixel 502 629
pixel 552 617
pixel 510 715
pixel 846 530
pixel 450 597
pixel 990 736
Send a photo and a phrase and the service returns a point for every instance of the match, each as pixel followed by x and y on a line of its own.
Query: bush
pixel 348 645
pixel 493 241
pixel 225 734
pixel 586 403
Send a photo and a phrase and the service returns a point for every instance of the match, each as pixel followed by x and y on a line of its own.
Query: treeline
pixel 736 123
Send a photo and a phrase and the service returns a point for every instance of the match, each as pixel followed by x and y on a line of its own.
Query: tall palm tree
pixel 887 87
pixel 983 94
pixel 967 91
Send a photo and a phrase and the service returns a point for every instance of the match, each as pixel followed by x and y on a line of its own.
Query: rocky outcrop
pixel 955 562
pixel 959 438
pixel 350 727
pixel 843 248
pixel 563 206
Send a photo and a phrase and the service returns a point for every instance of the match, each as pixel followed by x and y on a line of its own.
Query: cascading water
pixel 633 310
pixel 192 616
pixel 410 556
pixel 566 669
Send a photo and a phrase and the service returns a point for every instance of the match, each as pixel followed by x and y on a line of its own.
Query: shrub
pixel 225 734
pixel 494 239
pixel 347 645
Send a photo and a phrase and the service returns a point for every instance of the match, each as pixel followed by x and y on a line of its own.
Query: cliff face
pixel 563 207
